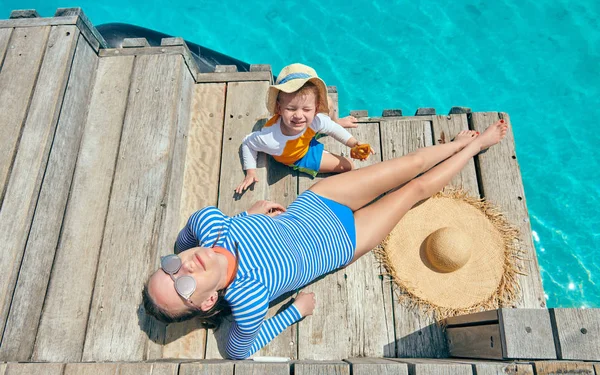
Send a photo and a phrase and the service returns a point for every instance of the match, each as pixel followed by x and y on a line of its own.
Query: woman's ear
pixel 208 303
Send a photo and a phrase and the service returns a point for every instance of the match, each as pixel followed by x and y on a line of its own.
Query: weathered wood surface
pixel 30 292
pixel 526 333
pixel 33 368
pixel 577 333
pixel 171 219
pixel 135 214
pixel 207 367
pixel 502 369
pixel 24 13
pixel 93 37
pixel 482 341
pixel 560 367
pixel 352 318
pixel 445 128
pixel 502 185
pixel 37 22
pixel 121 368
pixel 31 158
pixel 380 366
pixel 234 77
pixel 245 112
pixel 67 303
pixel 424 366
pixel 4 38
pixel 416 334
pixel 255 368
pixel 200 189
pixel 20 68
pixel 490 316
pixel 321 368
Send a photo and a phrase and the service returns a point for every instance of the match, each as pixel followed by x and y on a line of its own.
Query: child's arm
pixel 347 122
pixel 324 124
pixel 249 159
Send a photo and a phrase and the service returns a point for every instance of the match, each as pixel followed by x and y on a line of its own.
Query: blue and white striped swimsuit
pixel 276 255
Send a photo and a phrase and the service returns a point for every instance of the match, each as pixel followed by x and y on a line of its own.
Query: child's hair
pixel 305 89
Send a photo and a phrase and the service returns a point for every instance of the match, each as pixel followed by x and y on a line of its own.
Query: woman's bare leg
pixel 375 221
pixel 331 163
pixel 358 187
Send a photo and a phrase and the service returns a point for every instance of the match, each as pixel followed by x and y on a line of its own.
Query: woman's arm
pixel 251 331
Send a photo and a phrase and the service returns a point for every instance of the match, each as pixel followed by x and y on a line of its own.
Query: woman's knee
pixel 417 161
pixel 418 188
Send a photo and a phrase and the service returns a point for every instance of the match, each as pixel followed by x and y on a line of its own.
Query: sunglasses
pixel 184 285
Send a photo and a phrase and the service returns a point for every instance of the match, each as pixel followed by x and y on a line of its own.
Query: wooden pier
pixel 106 153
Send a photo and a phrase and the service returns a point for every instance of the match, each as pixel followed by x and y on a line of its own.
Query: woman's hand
pixel 305 303
pixel 248 180
pixel 266 207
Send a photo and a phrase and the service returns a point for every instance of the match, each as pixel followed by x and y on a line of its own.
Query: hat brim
pixel 487 280
pixel 295 85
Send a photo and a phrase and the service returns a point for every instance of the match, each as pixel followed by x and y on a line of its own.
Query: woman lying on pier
pixel 241 263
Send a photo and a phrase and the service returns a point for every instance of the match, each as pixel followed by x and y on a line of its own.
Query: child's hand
pixel 305 303
pixel 348 122
pixel 248 180
pixel 266 207
pixel 361 151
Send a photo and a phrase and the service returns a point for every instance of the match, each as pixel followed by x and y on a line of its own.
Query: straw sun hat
pixel 291 79
pixel 452 255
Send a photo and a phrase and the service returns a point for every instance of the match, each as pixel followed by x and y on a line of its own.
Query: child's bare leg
pixel 374 222
pixel 358 187
pixel 331 163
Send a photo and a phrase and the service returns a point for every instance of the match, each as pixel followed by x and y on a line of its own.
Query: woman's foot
pixel 465 137
pixel 492 135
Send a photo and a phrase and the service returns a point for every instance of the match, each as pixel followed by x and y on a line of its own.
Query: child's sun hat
pixel 454 254
pixel 291 79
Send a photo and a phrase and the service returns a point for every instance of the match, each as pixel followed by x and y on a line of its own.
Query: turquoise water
pixel 538 62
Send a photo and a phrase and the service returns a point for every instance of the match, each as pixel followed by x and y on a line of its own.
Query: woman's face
pixel 201 263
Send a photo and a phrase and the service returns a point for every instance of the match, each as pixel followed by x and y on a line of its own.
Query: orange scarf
pixel 231 263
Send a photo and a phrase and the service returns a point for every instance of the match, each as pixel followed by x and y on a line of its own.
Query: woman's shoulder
pixel 246 290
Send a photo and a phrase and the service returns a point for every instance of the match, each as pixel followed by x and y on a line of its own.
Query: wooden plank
pixel 482 341
pixel 88 30
pixel 34 368
pixel 136 210
pixel 148 368
pixel 445 128
pixel 38 22
pixel 67 304
pixel 4 38
pixel 334 110
pixel 417 335
pixel 24 13
pixel 501 184
pixel 558 367
pixel 135 42
pixel 369 366
pixel 403 118
pixel 31 158
pixel 2 368
pixel 321 368
pixel 234 77
pixel 597 368
pixel 255 368
pixel 91 369
pixel 245 112
pixel 526 333
pixel 200 189
pixel 207 367
pixel 577 333
pixel 174 49
pixel 337 329
pixel 172 217
pixel 225 68
pixel 28 298
pixel 424 366
pixel 18 76
pixel 490 316
pixel 502 369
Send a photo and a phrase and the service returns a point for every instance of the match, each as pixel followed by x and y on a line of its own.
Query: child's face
pixel 297 111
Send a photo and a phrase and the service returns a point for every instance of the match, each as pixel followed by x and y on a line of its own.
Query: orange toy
pixel 360 152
